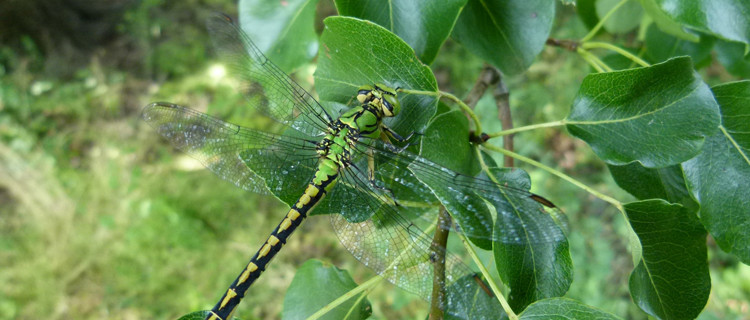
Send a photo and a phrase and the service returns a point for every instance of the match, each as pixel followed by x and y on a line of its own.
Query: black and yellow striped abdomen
pixel 313 194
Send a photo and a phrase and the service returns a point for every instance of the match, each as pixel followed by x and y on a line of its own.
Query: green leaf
pixel 719 177
pixel 423 24
pixel 661 46
pixel 316 285
pixel 446 142
pixel 532 271
pixel 733 57
pixel 586 10
pixel 508 34
pixel 283 30
pixel 671 280
pixel 659 115
pixel 469 301
pixel 666 183
pixel 624 20
pixel 355 52
pixel 617 61
pixel 563 309
pixel 727 19
pixel 197 315
pixel 665 23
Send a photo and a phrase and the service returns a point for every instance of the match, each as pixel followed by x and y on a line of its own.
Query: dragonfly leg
pixel 395 136
pixel 395 149
pixel 373 181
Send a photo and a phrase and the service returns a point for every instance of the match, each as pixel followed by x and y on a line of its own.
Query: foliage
pixel 89 196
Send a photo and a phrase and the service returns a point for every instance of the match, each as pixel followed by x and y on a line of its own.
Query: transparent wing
pixel 398 249
pixel 230 150
pixel 514 215
pixel 269 90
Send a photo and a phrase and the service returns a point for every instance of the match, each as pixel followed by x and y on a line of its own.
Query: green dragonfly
pixel 353 167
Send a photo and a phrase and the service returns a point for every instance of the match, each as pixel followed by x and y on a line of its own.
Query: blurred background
pixel 101 219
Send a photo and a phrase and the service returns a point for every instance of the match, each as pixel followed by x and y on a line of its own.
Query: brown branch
pixel 487 77
pixel 502 99
pixel 439 241
pixel 570 45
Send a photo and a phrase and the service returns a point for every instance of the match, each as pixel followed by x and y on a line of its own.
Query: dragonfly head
pixel 382 97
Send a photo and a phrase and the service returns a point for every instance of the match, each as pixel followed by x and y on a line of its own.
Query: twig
pixel 570 45
pixel 487 77
pixel 502 99
pixel 439 241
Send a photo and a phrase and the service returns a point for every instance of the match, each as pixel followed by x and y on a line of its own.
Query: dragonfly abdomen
pixel 315 191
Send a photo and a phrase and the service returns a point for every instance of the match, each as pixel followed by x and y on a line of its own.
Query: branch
pixel 502 99
pixel 439 241
pixel 487 77
pixel 570 45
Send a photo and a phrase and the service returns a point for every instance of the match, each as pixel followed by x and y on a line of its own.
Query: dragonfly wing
pixel 514 215
pixel 239 155
pixel 270 90
pixel 399 250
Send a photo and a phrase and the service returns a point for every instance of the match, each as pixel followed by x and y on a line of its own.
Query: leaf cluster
pixel 677 144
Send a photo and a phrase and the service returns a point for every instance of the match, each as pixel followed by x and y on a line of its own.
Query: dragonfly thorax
pixel 380 96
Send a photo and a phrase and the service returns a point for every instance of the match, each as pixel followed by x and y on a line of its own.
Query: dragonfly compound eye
pixel 391 106
pixel 364 93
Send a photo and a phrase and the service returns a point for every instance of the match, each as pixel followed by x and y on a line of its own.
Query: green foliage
pixel 434 21
pixel 314 286
pixel 666 23
pixel 198 315
pixel 281 29
pixel 101 219
pixel 478 305
pixel 660 46
pixel 536 269
pixel 718 177
pixel 673 260
pixel 624 19
pixel 561 308
pixel 507 34
pixel 734 57
pixel 727 19
pixel 652 115
pixel 660 183
pixel 349 53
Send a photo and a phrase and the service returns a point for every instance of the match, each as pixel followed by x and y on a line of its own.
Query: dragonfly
pixel 354 168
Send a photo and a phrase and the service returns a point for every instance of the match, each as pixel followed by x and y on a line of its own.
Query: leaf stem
pixel 465 108
pixel 421 92
pixel 594 61
pixel 599 25
pixel 527 128
pixel 498 294
pixel 621 51
pixel 369 284
pixel 353 308
pixel 559 174
pixel 461 104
